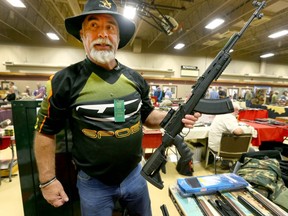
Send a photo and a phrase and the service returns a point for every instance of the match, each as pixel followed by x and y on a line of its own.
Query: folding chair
pixel 231 148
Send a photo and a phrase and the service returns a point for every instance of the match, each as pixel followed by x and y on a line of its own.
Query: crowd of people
pixel 13 93
pixel 276 99
pixel 251 98
pixel 162 94
pixel 216 93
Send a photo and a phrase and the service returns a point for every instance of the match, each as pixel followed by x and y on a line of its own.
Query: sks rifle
pixel 172 124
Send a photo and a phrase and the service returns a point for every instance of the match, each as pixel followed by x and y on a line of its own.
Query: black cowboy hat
pixel 126 27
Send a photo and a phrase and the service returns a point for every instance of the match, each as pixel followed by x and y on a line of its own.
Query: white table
pixel 197 135
pixel 196 132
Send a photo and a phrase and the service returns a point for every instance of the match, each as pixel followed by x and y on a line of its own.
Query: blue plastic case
pixel 200 185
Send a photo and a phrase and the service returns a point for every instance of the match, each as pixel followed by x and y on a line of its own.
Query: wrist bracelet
pixel 45 184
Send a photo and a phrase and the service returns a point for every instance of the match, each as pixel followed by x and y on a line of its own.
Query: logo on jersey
pixel 105 112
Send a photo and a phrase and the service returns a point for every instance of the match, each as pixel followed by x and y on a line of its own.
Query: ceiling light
pixel 16 3
pixel 267 55
pixel 278 34
pixel 214 24
pixel 129 11
pixel 52 36
pixel 179 46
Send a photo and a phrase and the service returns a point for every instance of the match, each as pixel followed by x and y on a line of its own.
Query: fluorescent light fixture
pixel 16 3
pixel 179 46
pixel 267 55
pixel 215 23
pixel 129 11
pixel 52 36
pixel 278 34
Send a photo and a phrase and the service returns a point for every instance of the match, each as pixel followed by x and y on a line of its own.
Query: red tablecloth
pixel 5 142
pixel 252 114
pixel 268 133
pixel 151 138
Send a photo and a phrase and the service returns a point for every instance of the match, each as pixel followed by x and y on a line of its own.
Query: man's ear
pixel 118 41
pixel 118 37
pixel 81 34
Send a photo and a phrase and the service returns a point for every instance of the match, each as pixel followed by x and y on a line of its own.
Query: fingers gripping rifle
pixel 172 123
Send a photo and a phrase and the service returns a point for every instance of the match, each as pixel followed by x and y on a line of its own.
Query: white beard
pixel 102 56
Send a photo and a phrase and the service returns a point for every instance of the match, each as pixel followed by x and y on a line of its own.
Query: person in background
pixel 106 104
pixel 226 123
pixel 248 97
pixel 235 96
pixel 12 93
pixel 222 93
pixel 40 92
pixel 27 90
pixel 275 98
pixel 159 94
pixel 283 98
pixel 269 98
pixel 214 94
pixel 207 94
pixel 15 88
pixel 168 93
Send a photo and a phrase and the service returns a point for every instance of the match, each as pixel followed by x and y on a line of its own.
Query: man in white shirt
pixel 226 123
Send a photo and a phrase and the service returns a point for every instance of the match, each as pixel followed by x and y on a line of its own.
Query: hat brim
pixel 126 27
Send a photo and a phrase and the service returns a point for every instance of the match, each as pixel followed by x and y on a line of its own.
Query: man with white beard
pixel 106 104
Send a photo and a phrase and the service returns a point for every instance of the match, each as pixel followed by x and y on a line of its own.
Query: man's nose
pixel 103 33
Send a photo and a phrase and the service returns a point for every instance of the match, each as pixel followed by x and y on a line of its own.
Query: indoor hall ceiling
pixel 28 26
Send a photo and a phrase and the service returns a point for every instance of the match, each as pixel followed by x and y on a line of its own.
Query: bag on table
pixel 264 175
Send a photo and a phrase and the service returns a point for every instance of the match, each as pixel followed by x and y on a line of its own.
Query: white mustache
pixel 101 41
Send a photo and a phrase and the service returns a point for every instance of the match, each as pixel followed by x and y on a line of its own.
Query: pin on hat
pixel 126 27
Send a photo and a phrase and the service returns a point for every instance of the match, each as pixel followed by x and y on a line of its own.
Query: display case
pixel 24 118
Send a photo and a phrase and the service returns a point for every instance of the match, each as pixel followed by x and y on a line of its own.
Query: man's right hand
pixel 55 194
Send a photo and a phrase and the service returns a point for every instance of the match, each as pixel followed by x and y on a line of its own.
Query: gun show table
pixel 282 119
pixel 268 132
pixel 196 133
pixel 252 114
pixel 197 205
pixel 152 138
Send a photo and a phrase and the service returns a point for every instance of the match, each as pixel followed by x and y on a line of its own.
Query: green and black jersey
pixel 84 93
